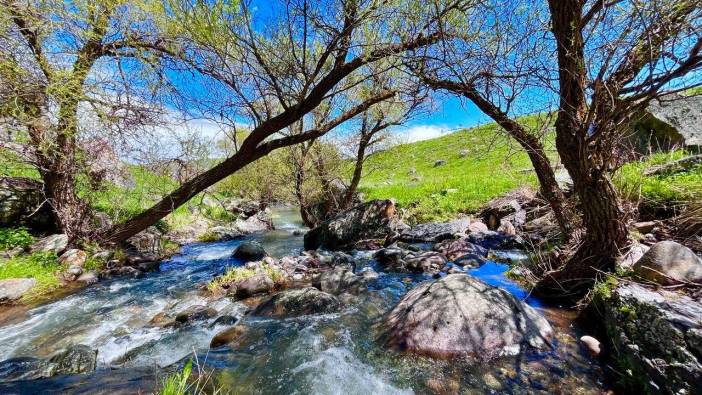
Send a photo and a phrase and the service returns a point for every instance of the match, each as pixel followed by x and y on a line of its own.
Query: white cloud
pixel 414 133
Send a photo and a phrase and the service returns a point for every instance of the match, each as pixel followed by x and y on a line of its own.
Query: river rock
pixel 73 257
pixel 459 315
pixel 343 259
pixel 55 243
pixel 435 231
pixel 72 273
pixel 376 219
pixel 74 360
pixel 147 241
pixel 258 223
pixel 392 258
pixel 496 240
pixel 591 344
pixel 227 336
pixel 426 262
pixel 669 263
pixel 12 289
pixel 297 302
pixel 655 336
pixel 249 251
pixel 340 280
pixel 88 278
pixel 22 203
pixel 257 284
pixel 454 249
pixel 195 313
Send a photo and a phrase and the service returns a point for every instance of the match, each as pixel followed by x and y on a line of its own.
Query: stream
pixel 322 354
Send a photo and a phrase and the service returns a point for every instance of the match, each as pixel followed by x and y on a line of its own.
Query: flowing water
pixel 323 354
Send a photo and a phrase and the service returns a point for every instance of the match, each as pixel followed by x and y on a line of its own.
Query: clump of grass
pixel 235 274
pixel 660 190
pixel 208 237
pixel 186 381
pixel 15 237
pixel 41 266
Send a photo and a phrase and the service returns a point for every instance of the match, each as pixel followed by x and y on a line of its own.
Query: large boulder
pixel 436 231
pixel 55 243
pixel 147 241
pixel 376 219
pixel 510 208
pixel 673 121
pixel 12 289
pixel 459 315
pixel 22 203
pixel 656 337
pixel 249 251
pixel 73 257
pixel 669 263
pixel 297 302
pixel 74 360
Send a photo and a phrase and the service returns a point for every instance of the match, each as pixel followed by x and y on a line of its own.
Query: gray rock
pixel 340 280
pixel 376 219
pixel 439 162
pixel 496 241
pixel 297 302
pixel 392 258
pixel 459 315
pixel 12 289
pixel 249 251
pixel 671 122
pixel 254 285
pixel 669 263
pixel 73 257
pixel 463 153
pixel 227 336
pixel 72 273
pixel 591 344
pixel 226 232
pixel 369 274
pixel 258 223
pixel 655 336
pixel 54 243
pixel 435 232
pixel 426 262
pixel 88 278
pixel 147 241
pixel 343 259
pixel 628 259
pixel 455 249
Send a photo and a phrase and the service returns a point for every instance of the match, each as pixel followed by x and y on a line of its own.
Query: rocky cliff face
pixel 22 204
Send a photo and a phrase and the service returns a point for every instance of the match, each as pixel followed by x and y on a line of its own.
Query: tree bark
pixel 357 172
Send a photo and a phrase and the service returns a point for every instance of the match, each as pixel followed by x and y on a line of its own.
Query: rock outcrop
pixel 376 219
pixel 55 243
pixel 22 204
pixel 459 315
pixel 673 121
pixel 656 338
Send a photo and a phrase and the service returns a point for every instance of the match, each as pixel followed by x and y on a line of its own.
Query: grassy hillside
pixel 494 165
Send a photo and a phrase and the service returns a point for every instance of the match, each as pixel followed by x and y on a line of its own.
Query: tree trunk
pixel 357 173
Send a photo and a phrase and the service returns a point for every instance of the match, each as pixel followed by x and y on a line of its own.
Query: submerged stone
pixel 297 302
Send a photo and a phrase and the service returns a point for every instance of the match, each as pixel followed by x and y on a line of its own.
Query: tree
pixel 600 66
pixel 274 82
pixel 613 58
pixel 49 56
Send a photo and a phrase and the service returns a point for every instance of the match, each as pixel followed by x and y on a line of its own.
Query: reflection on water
pixel 324 354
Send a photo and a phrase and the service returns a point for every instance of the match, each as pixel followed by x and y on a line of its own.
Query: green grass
pixel 495 164
pixel 235 274
pixel 662 190
pixel 42 266
pixel 14 237
pixel 177 383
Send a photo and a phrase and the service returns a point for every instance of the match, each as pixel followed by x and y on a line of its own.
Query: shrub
pixel 15 237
